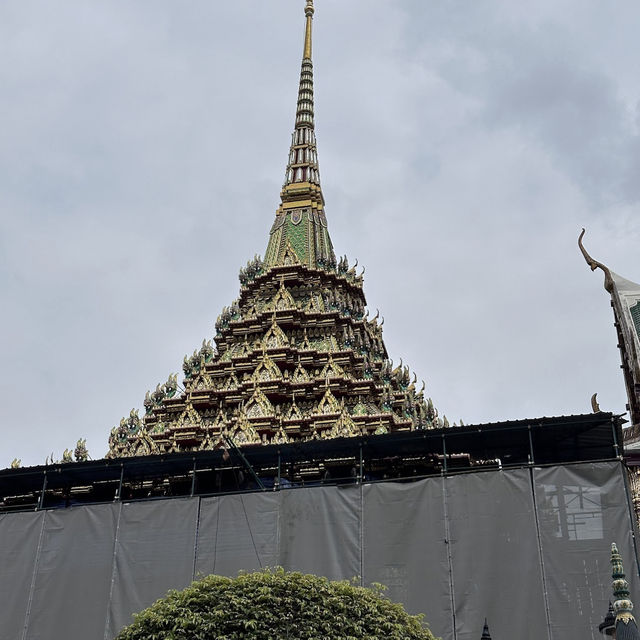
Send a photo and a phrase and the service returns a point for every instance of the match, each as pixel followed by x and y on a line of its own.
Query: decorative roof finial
pixel 594 264
pixel 622 605
pixel 485 632
pixel 308 11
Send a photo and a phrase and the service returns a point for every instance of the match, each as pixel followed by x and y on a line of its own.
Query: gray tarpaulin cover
pixel 526 548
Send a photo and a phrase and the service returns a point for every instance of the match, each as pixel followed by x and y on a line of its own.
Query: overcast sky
pixel 462 147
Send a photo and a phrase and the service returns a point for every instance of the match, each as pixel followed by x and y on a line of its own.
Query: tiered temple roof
pixel 296 356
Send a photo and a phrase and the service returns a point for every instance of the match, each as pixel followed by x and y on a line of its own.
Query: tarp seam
pixel 361 524
pixel 218 503
pixel 116 540
pixel 447 542
pixel 253 542
pixel 33 579
pixel 543 574
pixel 280 495
pixel 195 543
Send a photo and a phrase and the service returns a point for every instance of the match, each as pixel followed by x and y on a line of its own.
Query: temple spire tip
pixel 300 232
pixel 308 11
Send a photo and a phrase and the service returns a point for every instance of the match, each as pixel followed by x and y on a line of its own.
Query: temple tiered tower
pixel 296 356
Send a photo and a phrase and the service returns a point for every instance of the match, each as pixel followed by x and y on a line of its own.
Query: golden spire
pixel 308 11
pixel 300 219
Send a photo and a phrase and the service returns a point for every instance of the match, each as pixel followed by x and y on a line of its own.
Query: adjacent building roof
pixel 625 300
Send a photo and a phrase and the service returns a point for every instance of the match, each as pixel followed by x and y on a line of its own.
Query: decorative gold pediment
pixel 361 409
pixel 231 383
pixel 294 412
pixel 306 345
pixel 211 442
pixel 275 338
pixel 267 370
pixel 282 300
pixel 202 382
pixel 331 370
pixel 144 445
pixel 244 433
pixel 219 425
pixel 174 448
pixel 259 405
pixel 300 375
pixel 328 404
pixel 188 419
pixel 280 437
pixel 344 427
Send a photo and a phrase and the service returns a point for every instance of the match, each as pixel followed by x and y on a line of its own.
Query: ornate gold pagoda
pixel 296 356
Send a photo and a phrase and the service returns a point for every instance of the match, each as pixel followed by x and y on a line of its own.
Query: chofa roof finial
pixel 594 264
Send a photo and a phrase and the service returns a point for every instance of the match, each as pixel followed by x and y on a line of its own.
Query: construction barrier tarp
pixel 528 549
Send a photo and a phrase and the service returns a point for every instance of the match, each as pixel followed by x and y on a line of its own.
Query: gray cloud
pixel 461 146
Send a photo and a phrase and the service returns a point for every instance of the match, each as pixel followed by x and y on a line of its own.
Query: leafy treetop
pixel 274 604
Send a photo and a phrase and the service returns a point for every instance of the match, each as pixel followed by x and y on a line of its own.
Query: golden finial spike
pixel 308 11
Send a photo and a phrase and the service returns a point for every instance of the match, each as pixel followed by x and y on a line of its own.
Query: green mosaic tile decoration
pixel 297 235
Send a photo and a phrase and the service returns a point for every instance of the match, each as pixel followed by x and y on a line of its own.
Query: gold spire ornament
pixel 301 225
pixel 308 11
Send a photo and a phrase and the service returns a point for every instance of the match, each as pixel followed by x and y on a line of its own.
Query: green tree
pixel 275 605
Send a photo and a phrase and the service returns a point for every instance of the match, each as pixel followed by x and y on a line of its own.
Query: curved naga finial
pixel 594 403
pixel 594 264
